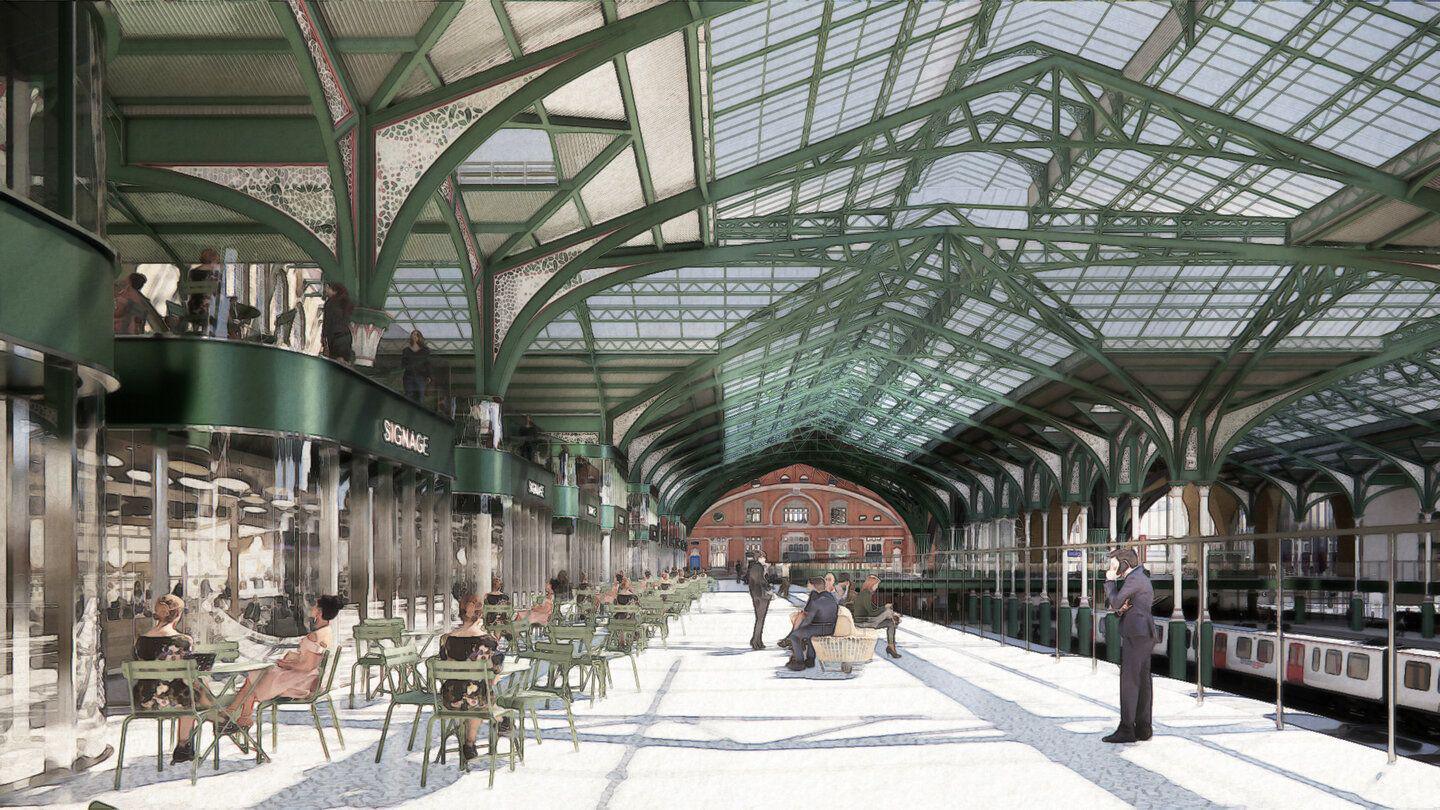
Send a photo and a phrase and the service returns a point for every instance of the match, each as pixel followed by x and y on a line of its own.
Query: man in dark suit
pixel 759 597
pixel 1127 588
pixel 818 619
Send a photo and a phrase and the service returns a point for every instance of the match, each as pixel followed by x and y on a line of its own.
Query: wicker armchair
pixel 846 652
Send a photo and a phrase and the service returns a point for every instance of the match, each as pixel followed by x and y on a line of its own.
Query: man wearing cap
pixel 1127 588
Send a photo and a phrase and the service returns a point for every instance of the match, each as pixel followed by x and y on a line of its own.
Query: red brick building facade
pixel 801 513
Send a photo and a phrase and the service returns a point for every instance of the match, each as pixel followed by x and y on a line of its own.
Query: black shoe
pixel 1119 737
pixel 505 726
pixel 469 751
pixel 809 663
pixel 184 752
pixel 892 652
pixel 1143 734
pixel 795 665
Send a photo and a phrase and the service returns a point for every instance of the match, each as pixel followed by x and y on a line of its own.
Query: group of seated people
pixel 294 675
pixel 827 595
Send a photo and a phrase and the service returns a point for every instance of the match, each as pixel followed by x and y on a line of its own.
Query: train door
pixel 1219 650
pixel 1295 662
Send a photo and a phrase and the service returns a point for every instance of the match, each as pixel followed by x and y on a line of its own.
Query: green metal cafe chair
pixel 312 701
pixel 162 672
pixel 411 689
pixel 452 721
pixel 372 636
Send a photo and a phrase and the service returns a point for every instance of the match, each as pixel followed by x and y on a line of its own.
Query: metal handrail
pixel 1427 530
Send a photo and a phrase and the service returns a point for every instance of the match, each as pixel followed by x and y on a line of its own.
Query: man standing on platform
pixel 759 597
pixel 1127 588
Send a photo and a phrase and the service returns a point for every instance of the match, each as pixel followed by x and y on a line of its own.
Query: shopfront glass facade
pixel 51 677
pixel 249 529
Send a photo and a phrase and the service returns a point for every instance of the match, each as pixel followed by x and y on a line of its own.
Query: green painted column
pixel 1083 618
pixel 1112 638
pixel 1042 616
pixel 1012 617
pixel 1207 652
pixel 972 610
pixel 1427 619
pixel 1252 605
pixel 1176 649
pixel 997 615
pixel 1063 636
pixel 985 611
pixel 1299 608
pixel 1357 614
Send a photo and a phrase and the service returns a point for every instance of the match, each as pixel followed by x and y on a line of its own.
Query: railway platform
pixel 718 725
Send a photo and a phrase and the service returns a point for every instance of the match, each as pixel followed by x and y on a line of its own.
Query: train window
pixel 1242 648
pixel 1332 662
pixel 1265 651
pixel 1417 676
pixel 1315 660
pixel 1357 666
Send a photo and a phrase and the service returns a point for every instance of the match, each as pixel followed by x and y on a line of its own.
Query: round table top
pixel 232 667
pixel 419 633
pixel 511 667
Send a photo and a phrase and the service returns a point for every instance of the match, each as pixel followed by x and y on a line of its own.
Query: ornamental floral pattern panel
pixel 637 447
pixel 347 146
pixel 336 102
pixel 405 149
pixel 577 438
pixel 301 192
pixel 626 420
pixel 513 289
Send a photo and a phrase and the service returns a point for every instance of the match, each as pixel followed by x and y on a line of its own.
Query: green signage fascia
pixel 56 286
pixel 484 471
pixel 567 502
pixel 179 382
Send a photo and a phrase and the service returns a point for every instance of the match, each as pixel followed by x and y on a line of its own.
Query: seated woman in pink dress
pixel 294 675
pixel 540 613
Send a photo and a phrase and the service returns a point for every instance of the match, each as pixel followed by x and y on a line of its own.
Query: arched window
pixel 753 511
pixel 796 511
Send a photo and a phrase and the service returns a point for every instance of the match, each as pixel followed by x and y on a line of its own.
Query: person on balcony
pixel 335 338
pixel 415 367
pixel 132 309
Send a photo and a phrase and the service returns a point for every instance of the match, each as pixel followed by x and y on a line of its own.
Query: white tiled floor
pixel 960 721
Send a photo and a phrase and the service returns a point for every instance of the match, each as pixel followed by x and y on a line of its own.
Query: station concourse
pixel 468 360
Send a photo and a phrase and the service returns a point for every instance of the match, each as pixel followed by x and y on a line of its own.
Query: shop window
pixel 839 549
pixel 1417 676
pixel 797 549
pixel 754 546
pixel 874 550
pixel 1242 648
pixel 1332 662
pixel 1357 666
